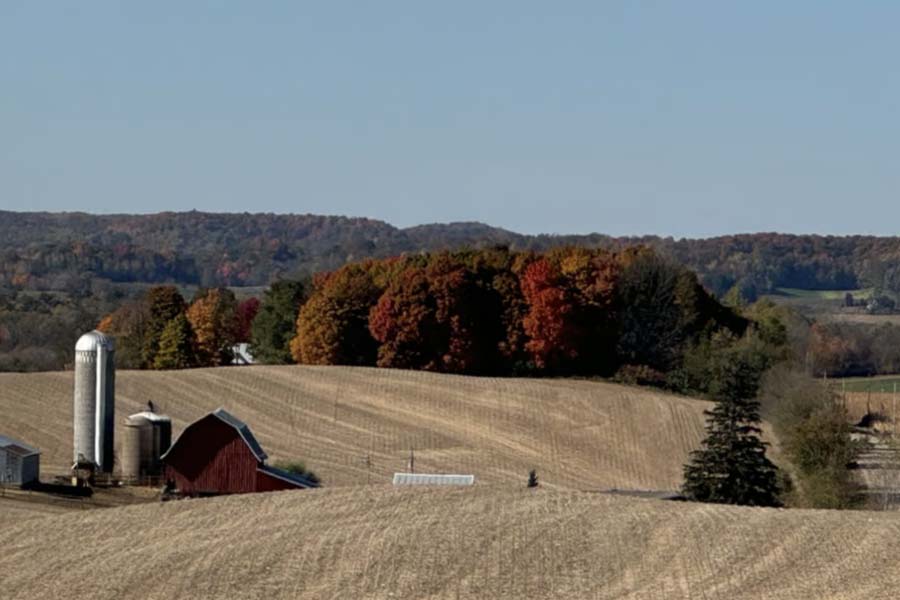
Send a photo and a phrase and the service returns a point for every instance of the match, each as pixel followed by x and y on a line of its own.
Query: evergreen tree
pixel 732 467
pixel 164 304
pixel 176 345
pixel 275 323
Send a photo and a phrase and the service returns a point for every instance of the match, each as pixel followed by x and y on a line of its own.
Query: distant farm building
pixel 20 464
pixel 219 455
pixel 432 479
pixel 241 354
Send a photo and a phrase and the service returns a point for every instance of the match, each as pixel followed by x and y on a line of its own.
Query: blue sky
pixel 674 118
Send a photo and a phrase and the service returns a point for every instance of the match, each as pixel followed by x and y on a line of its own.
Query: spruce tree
pixel 176 345
pixel 732 467
pixel 276 323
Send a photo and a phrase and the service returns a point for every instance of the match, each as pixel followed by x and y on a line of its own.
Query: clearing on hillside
pixel 357 425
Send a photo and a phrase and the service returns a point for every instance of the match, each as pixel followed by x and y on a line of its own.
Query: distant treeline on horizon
pixel 70 251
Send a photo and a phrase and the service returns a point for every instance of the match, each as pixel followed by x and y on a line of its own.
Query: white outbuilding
pixel 432 479
pixel 20 464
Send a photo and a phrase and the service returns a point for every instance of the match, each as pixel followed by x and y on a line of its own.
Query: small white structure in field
pixel 432 479
pixel 20 464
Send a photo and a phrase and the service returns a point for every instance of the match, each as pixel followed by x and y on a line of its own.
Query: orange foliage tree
pixel 333 325
pixel 213 317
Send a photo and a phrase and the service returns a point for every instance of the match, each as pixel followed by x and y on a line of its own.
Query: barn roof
pixel 16 446
pixel 297 480
pixel 232 421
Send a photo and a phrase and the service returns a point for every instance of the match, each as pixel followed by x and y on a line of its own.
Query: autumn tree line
pixel 630 314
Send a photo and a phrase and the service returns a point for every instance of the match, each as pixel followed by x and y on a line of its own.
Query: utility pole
pixel 869 400
pixel 337 392
pixel 411 466
pixel 894 412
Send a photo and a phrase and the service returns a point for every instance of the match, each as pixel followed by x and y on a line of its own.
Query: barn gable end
pixel 218 454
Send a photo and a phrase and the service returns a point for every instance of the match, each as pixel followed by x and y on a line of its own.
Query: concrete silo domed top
pixel 89 342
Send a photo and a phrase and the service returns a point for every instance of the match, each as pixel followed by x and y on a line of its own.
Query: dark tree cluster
pixel 38 330
pixel 840 349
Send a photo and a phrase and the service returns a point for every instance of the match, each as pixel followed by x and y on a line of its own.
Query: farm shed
pixel 19 463
pixel 432 479
pixel 219 455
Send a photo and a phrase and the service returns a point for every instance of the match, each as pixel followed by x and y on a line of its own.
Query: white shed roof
pixel 432 479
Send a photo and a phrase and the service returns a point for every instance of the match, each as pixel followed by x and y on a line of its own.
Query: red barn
pixel 219 455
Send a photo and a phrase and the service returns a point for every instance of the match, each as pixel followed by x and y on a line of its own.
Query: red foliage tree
pixel 246 312
pixel 571 316
pixel 549 323
pixel 443 315
pixel 405 324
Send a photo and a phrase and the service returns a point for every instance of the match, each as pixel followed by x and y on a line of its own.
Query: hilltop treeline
pixel 632 314
pixel 566 311
pixel 67 252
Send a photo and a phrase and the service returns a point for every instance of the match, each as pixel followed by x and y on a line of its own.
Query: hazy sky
pixel 678 118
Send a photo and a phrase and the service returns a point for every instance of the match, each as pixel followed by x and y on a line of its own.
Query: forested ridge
pixel 67 251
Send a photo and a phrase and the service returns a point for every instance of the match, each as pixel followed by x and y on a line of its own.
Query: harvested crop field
pixel 480 542
pixel 16 505
pixel 882 405
pixel 355 426
pixel 863 319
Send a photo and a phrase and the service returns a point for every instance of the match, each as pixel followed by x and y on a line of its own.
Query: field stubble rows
pixel 482 542
pixel 358 425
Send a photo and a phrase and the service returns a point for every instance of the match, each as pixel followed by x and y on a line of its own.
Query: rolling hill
pixel 481 542
pixel 359 537
pixel 358 425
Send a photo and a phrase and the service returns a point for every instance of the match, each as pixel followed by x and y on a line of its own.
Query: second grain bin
pixel 146 436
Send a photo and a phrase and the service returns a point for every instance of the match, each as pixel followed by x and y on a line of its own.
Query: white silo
pixel 95 390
